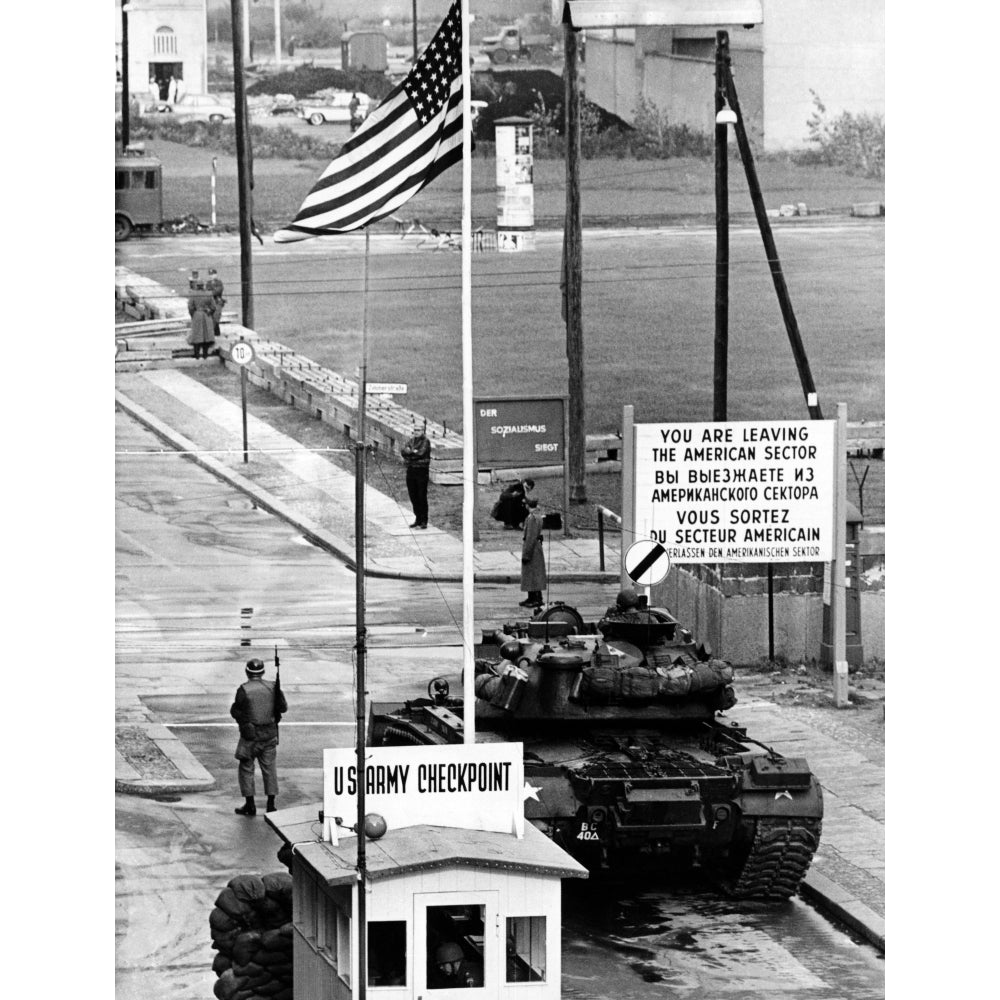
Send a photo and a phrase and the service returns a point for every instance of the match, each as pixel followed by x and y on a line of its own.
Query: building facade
pixel 833 49
pixel 166 38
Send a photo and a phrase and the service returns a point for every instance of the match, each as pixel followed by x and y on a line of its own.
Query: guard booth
pixel 452 911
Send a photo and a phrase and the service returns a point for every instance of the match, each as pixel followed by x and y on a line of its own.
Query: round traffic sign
pixel 646 562
pixel 241 352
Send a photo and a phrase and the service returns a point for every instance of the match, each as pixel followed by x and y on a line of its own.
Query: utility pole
pixel 242 166
pixel 721 374
pixel 277 33
pixel 414 32
pixel 573 273
pixel 125 88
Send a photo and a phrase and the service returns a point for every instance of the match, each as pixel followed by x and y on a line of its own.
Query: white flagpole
pixel 468 427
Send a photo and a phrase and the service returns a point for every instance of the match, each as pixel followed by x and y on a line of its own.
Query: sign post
pixel 242 353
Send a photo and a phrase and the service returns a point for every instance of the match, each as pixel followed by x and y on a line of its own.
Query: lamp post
pixel 414 32
pixel 125 90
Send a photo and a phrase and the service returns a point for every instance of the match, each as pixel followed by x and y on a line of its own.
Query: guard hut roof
pixel 421 848
pixel 652 13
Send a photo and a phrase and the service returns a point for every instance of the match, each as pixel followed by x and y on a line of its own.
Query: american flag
pixel 411 137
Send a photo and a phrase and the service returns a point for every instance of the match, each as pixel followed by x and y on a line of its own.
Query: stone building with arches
pixel 166 38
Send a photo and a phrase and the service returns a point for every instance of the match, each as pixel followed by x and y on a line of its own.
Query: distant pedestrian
pixel 417 456
pixel 201 308
pixel 154 89
pixel 511 508
pixel 532 557
pixel 291 46
pixel 258 708
pixel 215 286
pixel 352 107
pixel 172 90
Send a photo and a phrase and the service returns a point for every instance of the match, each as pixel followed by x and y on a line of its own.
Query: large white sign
pixel 736 491
pixel 478 786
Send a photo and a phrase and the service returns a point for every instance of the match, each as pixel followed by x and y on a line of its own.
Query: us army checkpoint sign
pixel 478 786
pixel 736 491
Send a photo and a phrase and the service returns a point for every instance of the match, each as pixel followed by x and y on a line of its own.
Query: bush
pixel 854 142
pixel 655 138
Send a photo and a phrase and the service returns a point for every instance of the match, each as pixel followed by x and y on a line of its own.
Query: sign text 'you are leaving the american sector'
pixel 737 491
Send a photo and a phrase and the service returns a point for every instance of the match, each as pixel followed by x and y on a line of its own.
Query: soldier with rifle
pixel 258 708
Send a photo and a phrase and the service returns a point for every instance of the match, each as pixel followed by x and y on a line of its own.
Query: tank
pixel 633 764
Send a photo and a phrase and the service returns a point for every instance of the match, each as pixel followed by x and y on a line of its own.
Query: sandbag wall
pixel 251 928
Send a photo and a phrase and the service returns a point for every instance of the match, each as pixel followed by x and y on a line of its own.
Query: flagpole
pixel 360 475
pixel 468 427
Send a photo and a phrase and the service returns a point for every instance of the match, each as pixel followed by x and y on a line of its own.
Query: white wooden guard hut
pixel 488 900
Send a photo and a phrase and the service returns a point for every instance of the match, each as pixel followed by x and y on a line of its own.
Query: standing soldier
pixel 257 709
pixel 532 557
pixel 215 286
pixel 201 308
pixel 417 455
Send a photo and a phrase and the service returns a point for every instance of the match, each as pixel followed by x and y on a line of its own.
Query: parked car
pixel 193 107
pixel 336 108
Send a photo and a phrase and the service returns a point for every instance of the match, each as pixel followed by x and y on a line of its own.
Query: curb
pixel 834 899
pixel 195 777
pixel 320 537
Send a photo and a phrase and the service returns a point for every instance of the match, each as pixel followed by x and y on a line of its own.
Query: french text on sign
pixel 646 562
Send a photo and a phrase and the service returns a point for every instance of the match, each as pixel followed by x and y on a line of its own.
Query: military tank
pixel 634 768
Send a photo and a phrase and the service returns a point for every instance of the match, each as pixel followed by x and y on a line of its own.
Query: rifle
pixel 277 686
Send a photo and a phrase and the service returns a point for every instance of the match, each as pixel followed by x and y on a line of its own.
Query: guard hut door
pixel 469 920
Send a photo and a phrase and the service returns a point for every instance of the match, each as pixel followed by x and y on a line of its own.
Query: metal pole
pixel 600 534
pixel 414 31
pixel 838 569
pixel 215 173
pixel 277 33
pixel 770 612
pixel 243 400
pixel 125 86
pixel 784 300
pixel 720 380
pixel 573 263
pixel 628 488
pixel 360 474
pixel 242 167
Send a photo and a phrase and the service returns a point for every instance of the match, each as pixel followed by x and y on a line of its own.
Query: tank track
pixel 778 859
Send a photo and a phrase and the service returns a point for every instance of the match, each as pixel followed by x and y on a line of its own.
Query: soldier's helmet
pixel 255 667
pixel 627 599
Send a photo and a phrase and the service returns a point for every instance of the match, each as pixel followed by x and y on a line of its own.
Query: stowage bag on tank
pixel 690 678
pixel 611 684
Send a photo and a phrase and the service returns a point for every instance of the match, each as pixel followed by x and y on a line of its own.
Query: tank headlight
pixel 598 815
pixel 721 814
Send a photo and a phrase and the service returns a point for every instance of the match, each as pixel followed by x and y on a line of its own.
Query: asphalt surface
pixel 847 878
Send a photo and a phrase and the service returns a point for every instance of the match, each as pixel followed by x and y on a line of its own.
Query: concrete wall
pixel 836 48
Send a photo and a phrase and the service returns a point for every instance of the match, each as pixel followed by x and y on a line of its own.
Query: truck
pixel 138 192
pixel 364 50
pixel 528 38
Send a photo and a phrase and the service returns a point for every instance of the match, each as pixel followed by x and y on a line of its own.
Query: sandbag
pixel 224 940
pixel 229 902
pixel 269 959
pixel 221 963
pixel 278 885
pixel 285 855
pixel 274 940
pixel 270 913
pixel 248 888
pixel 285 994
pixel 222 922
pixel 269 989
pixel 227 985
pixel 245 946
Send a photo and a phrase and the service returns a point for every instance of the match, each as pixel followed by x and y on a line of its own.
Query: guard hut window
pixel 387 953
pixel 461 925
pixel 525 949
pixel 344 946
pixel 305 907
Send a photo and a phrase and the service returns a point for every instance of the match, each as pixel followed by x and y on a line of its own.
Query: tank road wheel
pixel 499 56
pixel 316 118
pixel 773 858
pixel 123 228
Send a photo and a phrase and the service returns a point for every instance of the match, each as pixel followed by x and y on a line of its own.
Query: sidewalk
pixel 847 877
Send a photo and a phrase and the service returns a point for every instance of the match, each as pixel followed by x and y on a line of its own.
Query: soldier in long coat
pixel 532 557
pixel 202 309
pixel 258 707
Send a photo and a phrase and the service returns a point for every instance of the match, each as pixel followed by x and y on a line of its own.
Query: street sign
pixel 241 353
pixel 750 491
pixel 386 388
pixel 646 562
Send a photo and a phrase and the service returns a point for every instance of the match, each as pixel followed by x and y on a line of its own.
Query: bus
pixel 138 192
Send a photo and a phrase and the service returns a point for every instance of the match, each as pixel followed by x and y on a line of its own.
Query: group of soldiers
pixel 205 302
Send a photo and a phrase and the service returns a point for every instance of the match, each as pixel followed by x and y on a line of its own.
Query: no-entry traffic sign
pixel 646 562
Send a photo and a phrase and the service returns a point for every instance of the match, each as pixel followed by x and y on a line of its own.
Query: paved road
pixel 191 556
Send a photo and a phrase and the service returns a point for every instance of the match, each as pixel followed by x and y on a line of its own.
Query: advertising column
pixel 515 187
